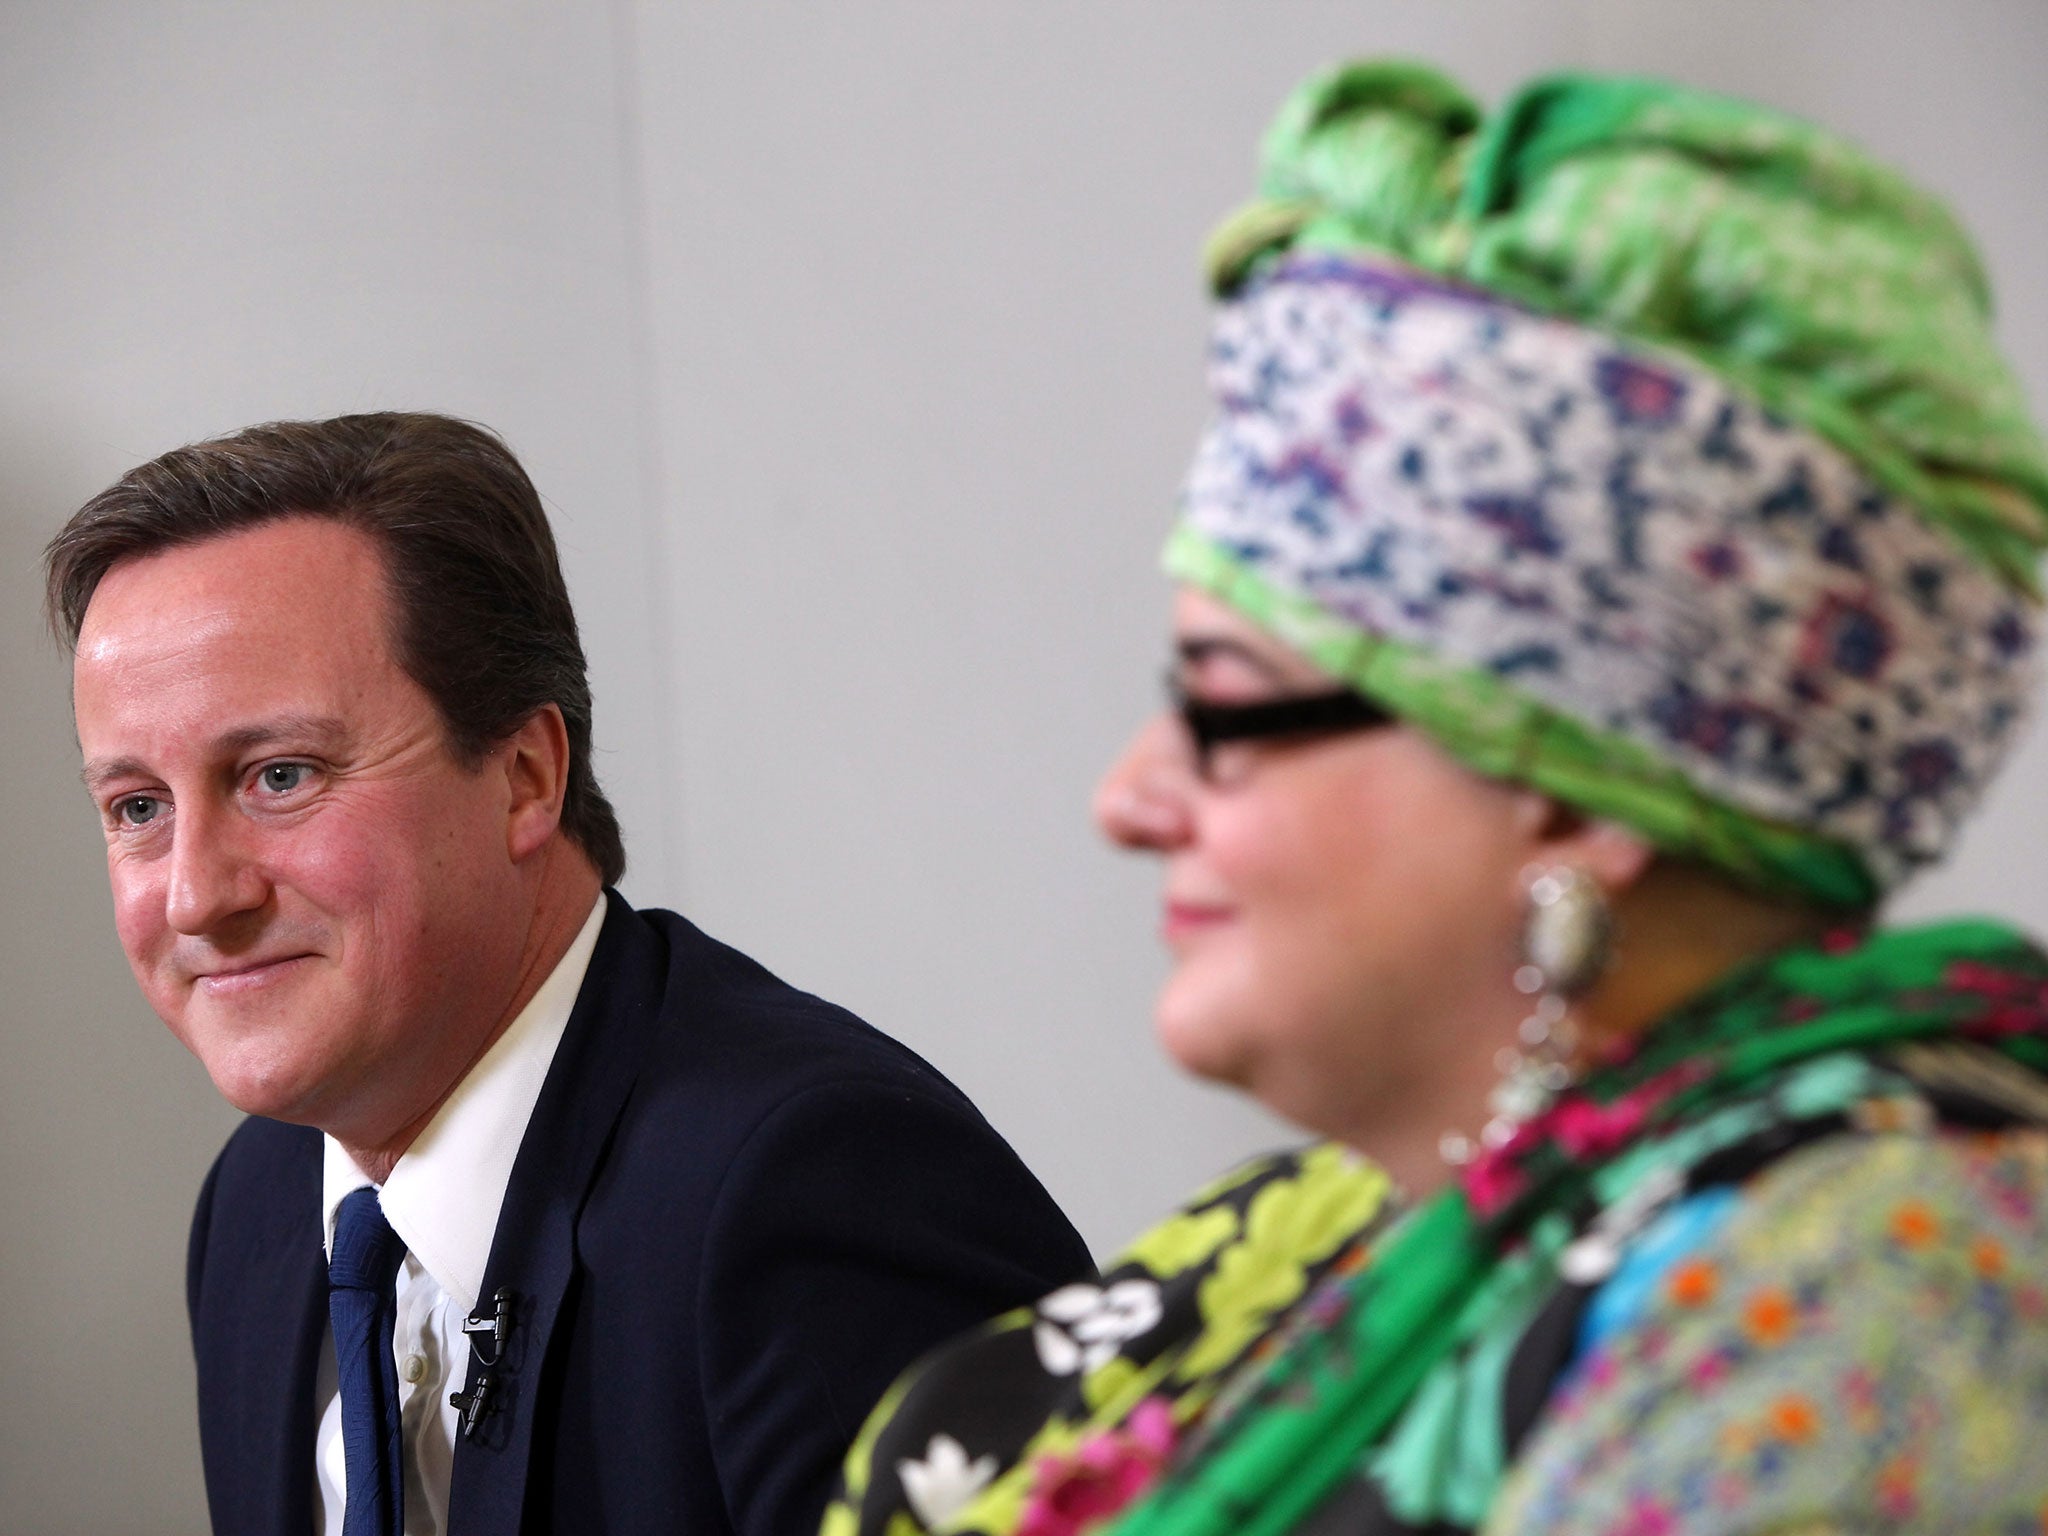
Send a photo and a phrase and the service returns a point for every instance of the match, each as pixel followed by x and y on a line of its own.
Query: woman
pixel 1609 573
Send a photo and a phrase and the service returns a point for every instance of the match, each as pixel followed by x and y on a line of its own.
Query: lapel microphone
pixel 477 1402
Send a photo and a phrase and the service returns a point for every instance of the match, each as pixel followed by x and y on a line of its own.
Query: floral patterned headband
pixel 1594 566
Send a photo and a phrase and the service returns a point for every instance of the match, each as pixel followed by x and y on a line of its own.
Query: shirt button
pixel 415 1368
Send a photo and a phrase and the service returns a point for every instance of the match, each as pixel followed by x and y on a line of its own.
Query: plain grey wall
pixel 856 349
pixel 213 215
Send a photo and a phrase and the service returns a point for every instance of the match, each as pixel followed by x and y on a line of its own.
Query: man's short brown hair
pixel 481 613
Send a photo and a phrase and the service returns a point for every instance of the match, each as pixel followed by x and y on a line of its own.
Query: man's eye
pixel 137 810
pixel 282 778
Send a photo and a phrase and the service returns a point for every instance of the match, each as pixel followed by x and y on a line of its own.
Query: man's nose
pixel 1142 801
pixel 215 871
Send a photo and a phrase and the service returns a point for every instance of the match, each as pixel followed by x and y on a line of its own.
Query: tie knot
pixel 367 1252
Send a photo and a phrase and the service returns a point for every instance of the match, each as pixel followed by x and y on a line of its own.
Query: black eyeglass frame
pixel 1302 715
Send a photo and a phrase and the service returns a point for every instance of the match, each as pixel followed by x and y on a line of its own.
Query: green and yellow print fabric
pixel 1176 1315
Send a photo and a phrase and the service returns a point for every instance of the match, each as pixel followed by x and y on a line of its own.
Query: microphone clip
pixel 497 1322
pixel 475 1404
pixel 487 1329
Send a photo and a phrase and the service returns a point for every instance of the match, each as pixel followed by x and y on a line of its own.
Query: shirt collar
pixel 443 1195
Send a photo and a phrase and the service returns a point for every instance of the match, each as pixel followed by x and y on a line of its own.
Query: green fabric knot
pixel 1778 254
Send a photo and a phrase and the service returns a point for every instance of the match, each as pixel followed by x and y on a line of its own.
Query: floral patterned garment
pixel 980 1426
pixel 1817 1303
pixel 1858 1342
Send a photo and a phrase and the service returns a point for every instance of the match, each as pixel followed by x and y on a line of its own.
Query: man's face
pixel 313 893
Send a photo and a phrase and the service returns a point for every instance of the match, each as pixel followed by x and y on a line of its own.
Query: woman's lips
pixel 1186 919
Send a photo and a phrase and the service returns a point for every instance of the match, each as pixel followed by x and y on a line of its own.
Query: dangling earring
pixel 1567 937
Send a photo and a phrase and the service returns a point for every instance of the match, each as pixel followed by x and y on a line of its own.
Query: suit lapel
pixel 300 1303
pixel 533 1253
pixel 260 1461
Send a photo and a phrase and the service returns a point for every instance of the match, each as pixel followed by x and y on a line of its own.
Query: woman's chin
pixel 1204 1038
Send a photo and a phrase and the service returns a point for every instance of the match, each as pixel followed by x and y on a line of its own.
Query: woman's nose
pixel 1142 801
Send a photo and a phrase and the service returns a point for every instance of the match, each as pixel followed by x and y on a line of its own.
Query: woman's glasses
pixel 1210 726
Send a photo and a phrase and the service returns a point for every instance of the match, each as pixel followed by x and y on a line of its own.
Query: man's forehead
pixel 133 624
pixel 230 638
pixel 301 574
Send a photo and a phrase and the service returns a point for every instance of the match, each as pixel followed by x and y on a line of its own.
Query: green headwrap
pixel 1797 274
pixel 1776 253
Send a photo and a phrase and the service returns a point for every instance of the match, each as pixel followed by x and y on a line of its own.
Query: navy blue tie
pixel 362 1306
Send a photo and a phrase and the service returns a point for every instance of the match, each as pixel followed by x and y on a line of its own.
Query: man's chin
pixel 258 1084
pixel 267 1102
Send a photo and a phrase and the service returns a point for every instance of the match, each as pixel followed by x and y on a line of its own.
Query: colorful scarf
pixel 1720 523
pixel 1797 1039
pixel 1293 1340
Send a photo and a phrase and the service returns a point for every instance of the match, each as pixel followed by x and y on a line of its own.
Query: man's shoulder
pixel 258 1210
pixel 739 1077
pixel 265 1158
pixel 728 1025
pixel 749 1108
pixel 263 1189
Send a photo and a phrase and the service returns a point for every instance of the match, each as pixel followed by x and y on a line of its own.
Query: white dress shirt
pixel 442 1199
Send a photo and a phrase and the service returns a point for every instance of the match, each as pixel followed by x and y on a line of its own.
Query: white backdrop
pixel 856 349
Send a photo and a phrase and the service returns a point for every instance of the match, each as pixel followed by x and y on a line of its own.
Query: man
pixel 550 1214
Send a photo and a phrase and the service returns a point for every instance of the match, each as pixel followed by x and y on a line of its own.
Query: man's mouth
pixel 247 975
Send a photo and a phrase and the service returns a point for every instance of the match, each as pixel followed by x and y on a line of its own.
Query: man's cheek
pixel 139 924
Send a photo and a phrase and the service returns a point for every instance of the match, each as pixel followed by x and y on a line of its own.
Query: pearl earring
pixel 1567 937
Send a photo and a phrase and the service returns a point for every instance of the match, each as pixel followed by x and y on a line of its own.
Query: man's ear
pixel 536 766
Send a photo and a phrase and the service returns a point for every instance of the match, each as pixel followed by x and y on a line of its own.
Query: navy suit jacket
pixel 737 1213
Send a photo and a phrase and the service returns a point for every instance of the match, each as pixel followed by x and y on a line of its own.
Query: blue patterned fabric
pixel 1618 535
pixel 1647 1264
pixel 362 1306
